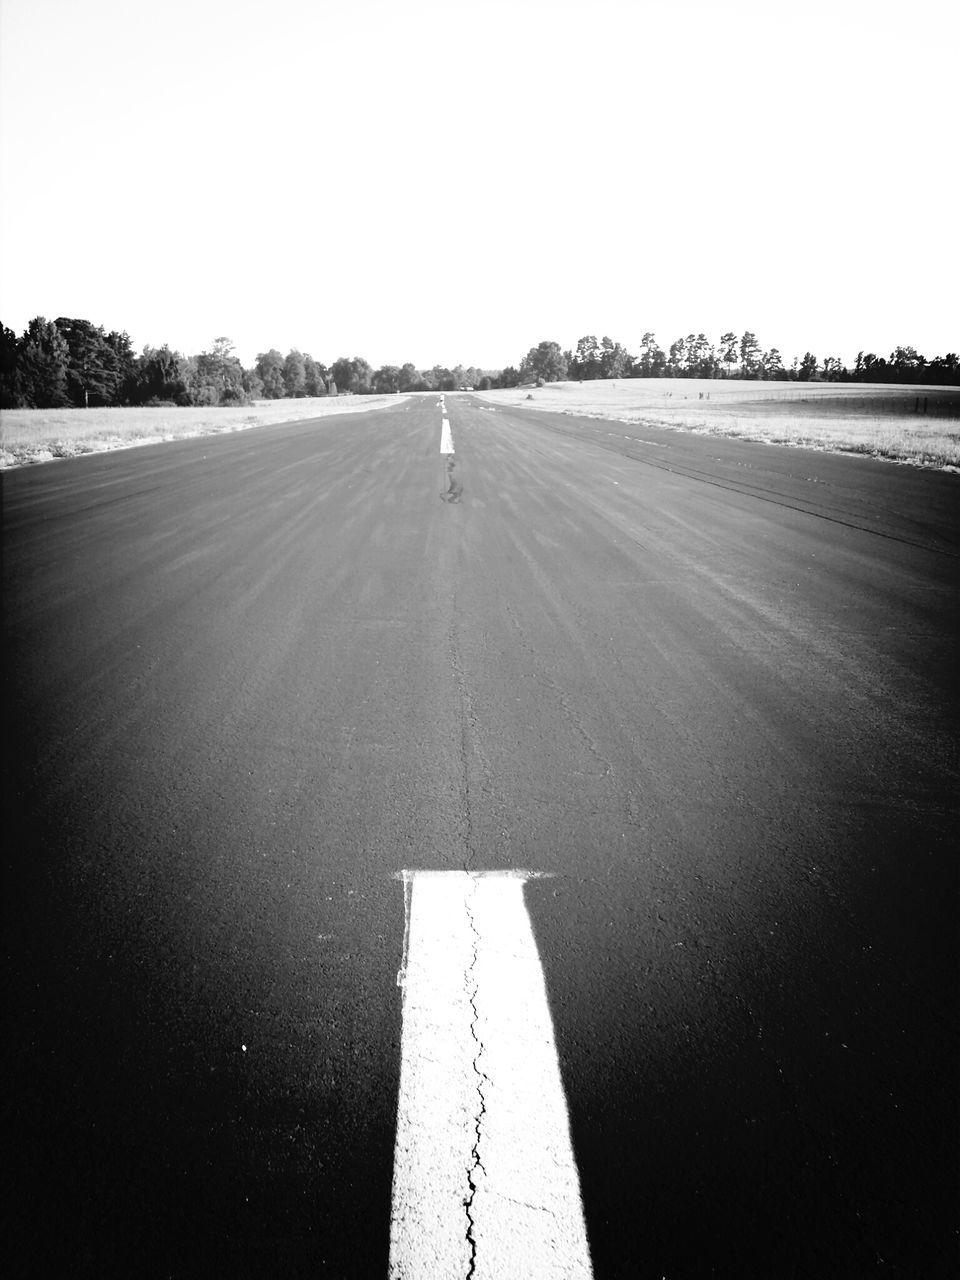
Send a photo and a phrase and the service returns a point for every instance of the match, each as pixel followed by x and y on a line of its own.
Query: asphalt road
pixel 709 686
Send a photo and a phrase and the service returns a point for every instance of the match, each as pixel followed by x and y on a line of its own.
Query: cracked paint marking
pixel 476 1168
pixel 485 1183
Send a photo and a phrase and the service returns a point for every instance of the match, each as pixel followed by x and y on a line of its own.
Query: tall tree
pixel 546 361
pixel 677 361
pixel 750 355
pixel 294 375
pixel 700 356
pixel 652 358
pixel 808 368
pixel 123 362
pixel 43 358
pixel 908 363
pixel 217 375
pixel 729 351
pixel 709 358
pixel 945 368
pixel 202 388
pixel 386 380
pixel 270 368
pixel 585 364
pixel 441 379
pixel 614 359
pixel 352 373
pixel 9 375
pixel 315 377
pixel 91 372
pixel 161 376
pixel 252 384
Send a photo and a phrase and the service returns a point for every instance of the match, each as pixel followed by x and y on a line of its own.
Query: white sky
pixel 452 182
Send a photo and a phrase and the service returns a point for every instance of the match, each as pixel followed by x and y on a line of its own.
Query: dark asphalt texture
pixel 710 686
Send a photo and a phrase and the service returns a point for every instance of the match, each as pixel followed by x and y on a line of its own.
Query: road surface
pixel 705 689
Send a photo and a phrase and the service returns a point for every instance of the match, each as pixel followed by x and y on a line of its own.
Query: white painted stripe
pixel 446 438
pixel 484 1182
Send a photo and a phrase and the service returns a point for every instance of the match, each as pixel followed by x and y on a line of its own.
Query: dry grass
pixel 38 435
pixel 879 421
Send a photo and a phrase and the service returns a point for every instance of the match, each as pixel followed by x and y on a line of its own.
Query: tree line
pixel 733 357
pixel 71 362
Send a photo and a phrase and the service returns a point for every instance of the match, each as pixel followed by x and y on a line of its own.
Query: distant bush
pixel 234 395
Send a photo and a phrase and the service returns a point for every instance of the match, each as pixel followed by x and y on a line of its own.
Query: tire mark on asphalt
pixel 454 489
pixel 467 720
pixel 759 492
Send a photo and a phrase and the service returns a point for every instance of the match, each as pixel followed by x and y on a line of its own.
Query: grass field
pixel 876 420
pixel 39 435
pixel 879 421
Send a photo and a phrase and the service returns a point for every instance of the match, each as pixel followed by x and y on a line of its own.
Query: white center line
pixel 446 439
pixel 485 1183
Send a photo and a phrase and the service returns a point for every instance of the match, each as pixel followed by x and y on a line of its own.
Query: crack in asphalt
pixel 466 745
pixel 482 1079
pixel 589 739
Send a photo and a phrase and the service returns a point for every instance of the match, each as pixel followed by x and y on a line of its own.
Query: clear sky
pixel 453 181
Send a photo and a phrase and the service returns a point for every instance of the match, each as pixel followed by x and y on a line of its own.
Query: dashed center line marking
pixel 446 437
pixel 485 1183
